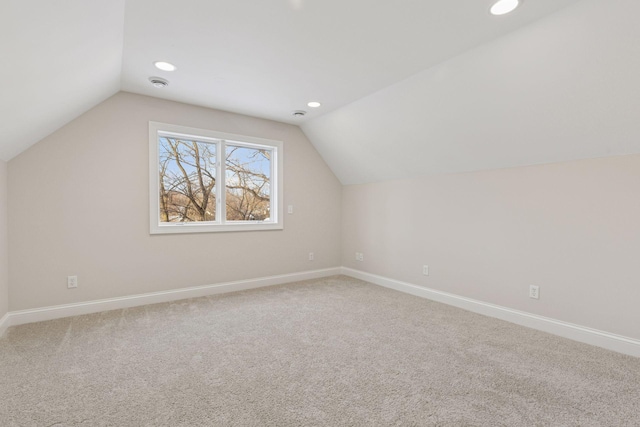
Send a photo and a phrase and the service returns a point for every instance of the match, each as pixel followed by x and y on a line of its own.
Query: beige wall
pixel 4 255
pixel 571 228
pixel 79 206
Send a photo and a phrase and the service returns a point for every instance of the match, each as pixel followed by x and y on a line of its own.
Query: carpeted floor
pixel 327 352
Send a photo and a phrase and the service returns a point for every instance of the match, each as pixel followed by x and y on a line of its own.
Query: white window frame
pixel 156 129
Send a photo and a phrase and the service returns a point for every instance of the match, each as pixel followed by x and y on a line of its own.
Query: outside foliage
pixel 188 181
pixel 248 191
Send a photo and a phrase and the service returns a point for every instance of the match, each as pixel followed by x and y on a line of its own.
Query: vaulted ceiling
pixel 407 88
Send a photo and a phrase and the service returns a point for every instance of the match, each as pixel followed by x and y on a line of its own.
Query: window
pixel 204 181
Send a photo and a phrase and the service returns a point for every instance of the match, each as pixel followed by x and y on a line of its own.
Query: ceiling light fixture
pixel 502 7
pixel 314 104
pixel 158 82
pixel 165 66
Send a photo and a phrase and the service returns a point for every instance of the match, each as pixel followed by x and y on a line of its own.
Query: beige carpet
pixel 329 352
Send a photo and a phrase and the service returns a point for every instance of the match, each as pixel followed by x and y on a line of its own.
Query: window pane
pixel 248 183
pixel 187 180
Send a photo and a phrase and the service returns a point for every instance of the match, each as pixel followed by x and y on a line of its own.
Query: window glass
pixel 187 171
pixel 248 183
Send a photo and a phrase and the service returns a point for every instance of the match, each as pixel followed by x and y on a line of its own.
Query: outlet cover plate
pixel 534 292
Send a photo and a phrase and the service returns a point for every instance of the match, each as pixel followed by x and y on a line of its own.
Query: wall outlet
pixel 359 256
pixel 311 256
pixel 534 292
pixel 425 270
pixel 72 282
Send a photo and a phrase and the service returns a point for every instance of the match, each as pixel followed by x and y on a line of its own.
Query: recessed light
pixel 298 113
pixel 502 7
pixel 158 82
pixel 165 66
pixel 314 104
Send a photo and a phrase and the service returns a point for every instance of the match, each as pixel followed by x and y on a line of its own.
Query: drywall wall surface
pixel 4 254
pixel 571 228
pixel 79 205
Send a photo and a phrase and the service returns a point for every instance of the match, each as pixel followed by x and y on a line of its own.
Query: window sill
pixel 185 228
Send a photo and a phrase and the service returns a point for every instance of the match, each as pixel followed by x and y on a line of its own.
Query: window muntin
pixel 191 190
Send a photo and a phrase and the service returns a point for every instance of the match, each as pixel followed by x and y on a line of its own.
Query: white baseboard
pixel 579 333
pixel 21 317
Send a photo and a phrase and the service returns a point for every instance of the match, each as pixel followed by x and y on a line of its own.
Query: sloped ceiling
pixel 563 88
pixel 266 58
pixel 408 88
pixel 58 59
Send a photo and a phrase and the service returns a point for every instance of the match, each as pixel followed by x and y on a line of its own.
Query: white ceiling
pixel 408 88
pixel 563 88
pixel 266 58
pixel 58 60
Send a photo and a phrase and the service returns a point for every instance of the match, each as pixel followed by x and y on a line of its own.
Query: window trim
pixel 205 135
